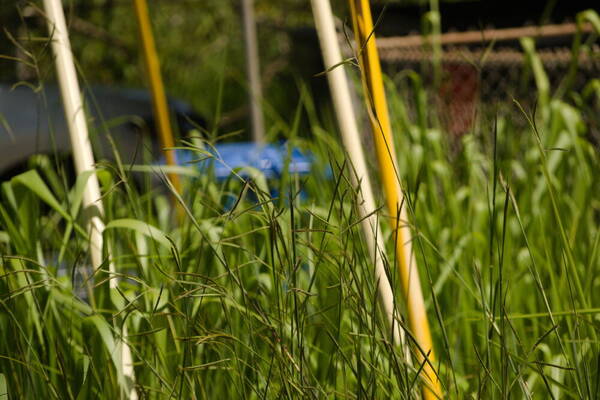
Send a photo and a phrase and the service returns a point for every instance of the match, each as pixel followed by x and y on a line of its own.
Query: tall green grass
pixel 274 297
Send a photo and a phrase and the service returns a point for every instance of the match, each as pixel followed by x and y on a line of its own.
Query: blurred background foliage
pixel 200 45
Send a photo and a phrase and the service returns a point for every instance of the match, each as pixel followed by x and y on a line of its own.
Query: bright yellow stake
pixel 380 122
pixel 159 99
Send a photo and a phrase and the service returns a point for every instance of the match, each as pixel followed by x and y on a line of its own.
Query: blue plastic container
pixel 270 159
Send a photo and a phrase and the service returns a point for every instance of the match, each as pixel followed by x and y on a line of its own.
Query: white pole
pixel 253 71
pixel 340 93
pixel 82 149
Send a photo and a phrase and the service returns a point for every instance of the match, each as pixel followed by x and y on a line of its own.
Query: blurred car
pixel 33 122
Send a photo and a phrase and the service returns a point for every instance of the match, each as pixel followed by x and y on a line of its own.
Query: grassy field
pixel 274 297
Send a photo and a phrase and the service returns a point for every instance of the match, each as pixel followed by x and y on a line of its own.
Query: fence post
pixel 253 71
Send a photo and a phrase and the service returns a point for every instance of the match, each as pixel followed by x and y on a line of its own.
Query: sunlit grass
pixel 274 297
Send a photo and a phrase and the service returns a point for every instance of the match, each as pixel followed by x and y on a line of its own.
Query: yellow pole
pixel 386 157
pixel 159 99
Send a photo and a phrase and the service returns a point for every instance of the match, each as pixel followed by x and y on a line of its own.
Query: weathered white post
pixel 82 152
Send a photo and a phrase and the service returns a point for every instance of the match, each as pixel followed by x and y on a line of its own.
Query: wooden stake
pixel 253 71
pixel 386 157
pixel 340 93
pixel 82 155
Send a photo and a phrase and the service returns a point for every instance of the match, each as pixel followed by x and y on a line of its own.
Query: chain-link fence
pixel 468 77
